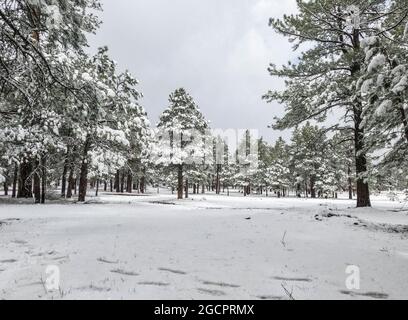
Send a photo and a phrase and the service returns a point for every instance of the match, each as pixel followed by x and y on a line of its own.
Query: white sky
pixel 219 50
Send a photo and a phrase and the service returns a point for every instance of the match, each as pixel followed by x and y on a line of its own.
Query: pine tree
pixel 326 75
pixel 181 139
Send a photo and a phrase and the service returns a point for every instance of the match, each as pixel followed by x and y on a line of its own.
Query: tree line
pixel 72 120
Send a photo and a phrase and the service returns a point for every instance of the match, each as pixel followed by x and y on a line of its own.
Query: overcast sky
pixel 219 50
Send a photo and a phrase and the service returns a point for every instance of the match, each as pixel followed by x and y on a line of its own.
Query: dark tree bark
pixel 404 121
pixel 15 178
pixel 71 181
pixel 83 179
pixel 217 180
pixel 186 188
pixel 363 192
pixel 312 187
pixel 350 184
pixel 129 187
pixel 117 181
pixel 122 182
pixel 97 188
pixel 64 174
pixel 180 182
pixel 142 185
pixel 43 178
pixel 6 184
pixel 25 184
pixel 37 183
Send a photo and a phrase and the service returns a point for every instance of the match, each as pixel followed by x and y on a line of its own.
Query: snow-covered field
pixel 207 247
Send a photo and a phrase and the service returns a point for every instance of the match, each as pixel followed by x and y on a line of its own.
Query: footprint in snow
pixel 216 293
pixel 153 283
pixel 104 260
pixel 271 298
pixel 292 279
pixel 220 284
pixel 21 242
pixel 125 273
pixel 8 261
pixel 173 271
pixel 374 295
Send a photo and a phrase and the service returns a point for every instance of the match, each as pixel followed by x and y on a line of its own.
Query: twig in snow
pixel 289 294
pixel 283 239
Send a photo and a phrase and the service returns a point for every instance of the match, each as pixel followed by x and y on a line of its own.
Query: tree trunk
pixel 312 187
pixel 122 182
pixel 350 184
pixel 25 184
pixel 129 185
pixel 217 180
pixel 70 181
pixel 363 192
pixel 83 179
pixel 117 181
pixel 43 178
pixel 180 182
pixel 6 184
pixel 97 188
pixel 142 185
pixel 186 188
pixel 404 121
pixel 15 178
pixel 64 175
pixel 37 182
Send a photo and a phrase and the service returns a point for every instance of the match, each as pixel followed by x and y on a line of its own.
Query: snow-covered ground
pixel 207 247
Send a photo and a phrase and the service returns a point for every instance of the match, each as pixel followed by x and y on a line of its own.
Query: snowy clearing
pixel 207 247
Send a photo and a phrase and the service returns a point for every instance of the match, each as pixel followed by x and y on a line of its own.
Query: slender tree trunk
pixel 117 181
pixel 83 179
pixel 217 180
pixel 105 186
pixel 43 179
pixel 350 184
pixel 97 188
pixel 64 174
pixel 70 181
pixel 312 187
pixel 142 185
pixel 15 178
pixel 186 188
pixel 180 182
pixel 122 182
pixel 404 120
pixel 111 185
pixel 129 185
pixel 37 182
pixel 6 184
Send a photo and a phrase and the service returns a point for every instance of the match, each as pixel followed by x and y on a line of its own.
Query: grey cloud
pixel 218 50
